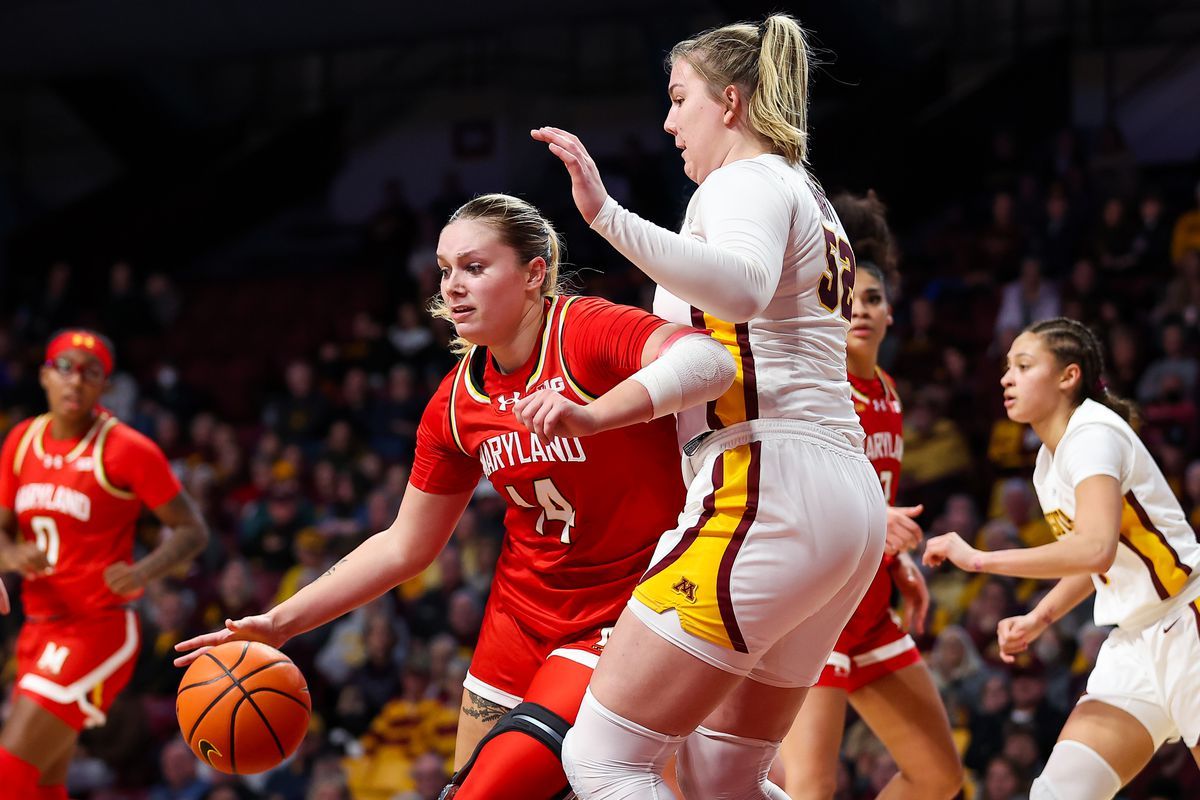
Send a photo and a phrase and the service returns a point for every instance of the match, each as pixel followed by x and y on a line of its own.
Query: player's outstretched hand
pixel 1015 634
pixel 548 414
pixel 123 578
pixel 258 628
pixel 914 594
pixel 951 547
pixel 27 559
pixel 902 532
pixel 586 186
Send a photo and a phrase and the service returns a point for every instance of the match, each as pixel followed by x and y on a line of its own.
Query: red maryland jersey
pixel 583 514
pixel 79 501
pixel 882 418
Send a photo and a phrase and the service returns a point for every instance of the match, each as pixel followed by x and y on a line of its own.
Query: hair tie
pixel 762 30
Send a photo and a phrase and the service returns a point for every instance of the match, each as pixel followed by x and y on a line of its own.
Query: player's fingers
pixel 187 658
pixel 911 511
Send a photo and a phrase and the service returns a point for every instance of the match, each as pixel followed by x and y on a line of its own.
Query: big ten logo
pixel 506 401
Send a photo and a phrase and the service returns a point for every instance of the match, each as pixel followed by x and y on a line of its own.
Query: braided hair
pixel 1072 342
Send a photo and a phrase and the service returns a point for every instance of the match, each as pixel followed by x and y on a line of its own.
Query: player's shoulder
pixel 119 436
pixel 21 428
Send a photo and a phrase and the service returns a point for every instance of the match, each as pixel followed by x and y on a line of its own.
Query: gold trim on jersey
pixel 889 385
pixel 33 432
pixel 587 396
pixel 536 375
pixel 98 462
pixel 459 378
pixel 477 393
pixel 76 451
pixel 731 407
pixel 1167 572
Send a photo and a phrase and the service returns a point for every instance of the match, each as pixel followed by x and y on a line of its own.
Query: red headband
pixel 81 340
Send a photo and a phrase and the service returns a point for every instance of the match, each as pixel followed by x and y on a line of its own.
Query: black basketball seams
pixel 236 664
pixel 246 698
pixel 236 684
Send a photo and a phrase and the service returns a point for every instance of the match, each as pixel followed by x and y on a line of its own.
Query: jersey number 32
pixel 836 288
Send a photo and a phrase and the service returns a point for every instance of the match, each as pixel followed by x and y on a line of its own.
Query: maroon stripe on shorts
pixel 749 382
pixel 724 601
pixel 689 536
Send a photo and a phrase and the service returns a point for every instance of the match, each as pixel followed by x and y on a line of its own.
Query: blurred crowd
pixel 1067 226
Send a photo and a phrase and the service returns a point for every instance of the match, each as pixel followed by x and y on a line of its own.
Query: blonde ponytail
pixel 769 63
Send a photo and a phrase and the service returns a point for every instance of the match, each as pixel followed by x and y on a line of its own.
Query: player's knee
pixel 714 764
pixel 1075 771
pixel 938 781
pixel 605 755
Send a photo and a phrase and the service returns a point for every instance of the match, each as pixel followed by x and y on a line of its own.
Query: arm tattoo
pixel 335 566
pixel 483 709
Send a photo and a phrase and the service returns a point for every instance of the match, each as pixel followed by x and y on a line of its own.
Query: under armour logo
pixel 505 402
pixel 685 588
pixel 53 658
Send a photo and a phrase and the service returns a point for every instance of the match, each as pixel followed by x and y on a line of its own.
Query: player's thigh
pixel 37 736
pixel 1116 735
pixel 904 710
pixel 756 710
pixel 810 750
pixel 629 680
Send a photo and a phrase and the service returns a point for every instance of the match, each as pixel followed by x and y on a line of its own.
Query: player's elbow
pixel 1099 557
pixel 741 305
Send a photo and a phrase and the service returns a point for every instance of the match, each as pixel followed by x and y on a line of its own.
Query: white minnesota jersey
pixel 792 356
pixel 1158 551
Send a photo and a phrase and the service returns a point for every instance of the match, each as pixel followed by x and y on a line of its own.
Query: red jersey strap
pixel 462 383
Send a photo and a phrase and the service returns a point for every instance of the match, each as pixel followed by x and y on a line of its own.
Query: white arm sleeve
pixel 1094 450
pixel 693 370
pixel 745 218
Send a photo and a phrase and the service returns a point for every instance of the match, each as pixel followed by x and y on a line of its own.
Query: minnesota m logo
pixel 685 588
pixel 53 658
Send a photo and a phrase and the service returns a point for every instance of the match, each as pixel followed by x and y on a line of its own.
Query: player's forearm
pixel 731 285
pixel 374 567
pixel 1077 555
pixel 1066 594
pixel 185 542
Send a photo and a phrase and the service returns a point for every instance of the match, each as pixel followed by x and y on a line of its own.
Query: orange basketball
pixel 243 707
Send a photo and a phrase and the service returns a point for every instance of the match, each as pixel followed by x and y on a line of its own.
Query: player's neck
pixel 861 365
pixel 1051 429
pixel 512 355
pixel 66 429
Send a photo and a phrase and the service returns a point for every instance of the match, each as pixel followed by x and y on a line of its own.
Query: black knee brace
pixel 530 719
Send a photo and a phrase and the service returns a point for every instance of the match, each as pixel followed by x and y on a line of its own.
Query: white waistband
pixel 759 429
pixel 1149 615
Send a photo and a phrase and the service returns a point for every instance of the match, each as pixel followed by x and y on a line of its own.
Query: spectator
pixel 429 777
pixel 180 780
pixel 300 415
pixel 1026 300
pixel 1003 780
pixel 1185 237
pixel 1171 376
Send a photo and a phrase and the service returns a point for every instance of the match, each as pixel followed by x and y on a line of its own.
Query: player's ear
pixel 1070 377
pixel 536 275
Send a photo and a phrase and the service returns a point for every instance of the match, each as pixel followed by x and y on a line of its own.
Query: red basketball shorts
pixel 872 645
pixel 508 655
pixel 74 668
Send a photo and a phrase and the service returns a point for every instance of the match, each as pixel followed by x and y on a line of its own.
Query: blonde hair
pixel 769 64
pixel 521 227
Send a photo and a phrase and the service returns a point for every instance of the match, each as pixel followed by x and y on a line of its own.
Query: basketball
pixel 243 707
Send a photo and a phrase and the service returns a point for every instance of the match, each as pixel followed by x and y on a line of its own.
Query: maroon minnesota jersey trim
pixel 689 536
pixel 725 571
